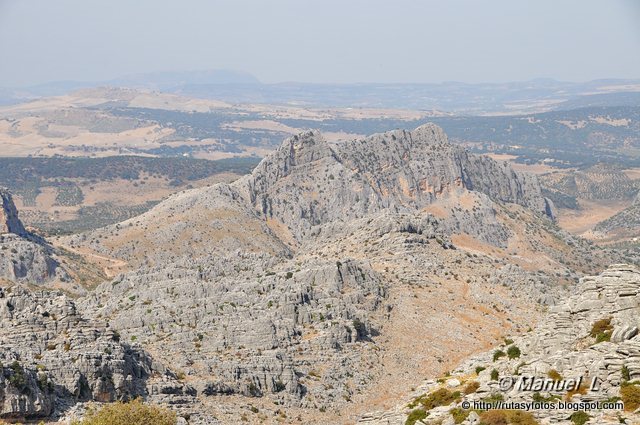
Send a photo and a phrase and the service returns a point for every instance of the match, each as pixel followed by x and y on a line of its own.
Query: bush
pixel 459 415
pixel 513 352
pixel 132 413
pixel 580 418
pixel 441 397
pixel 18 378
pixel 624 372
pixel 494 375
pixel 601 330
pixel 630 395
pixel 479 369
pixel 555 375
pixel 497 354
pixel 471 387
pixel 539 398
pixel 582 389
pixel 505 417
pixel 415 416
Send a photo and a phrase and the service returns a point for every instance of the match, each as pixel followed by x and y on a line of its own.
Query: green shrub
pixel 493 398
pixel 580 418
pixel 132 413
pixel 479 369
pixel 494 375
pixel 624 372
pixel 459 415
pixel 539 398
pixel 18 378
pixel 497 354
pixel 513 352
pixel 440 397
pixel 415 416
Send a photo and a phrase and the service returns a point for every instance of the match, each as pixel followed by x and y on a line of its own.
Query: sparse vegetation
pixel 459 415
pixel 580 417
pixel 132 413
pixel 513 352
pixel 624 372
pixel 601 330
pixel 440 397
pixel 471 387
pixel 507 417
pixel 415 416
pixel 630 396
pixel 554 374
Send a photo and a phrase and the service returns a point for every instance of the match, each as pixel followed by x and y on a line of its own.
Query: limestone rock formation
pixel 25 257
pixel 308 182
pixel 9 221
pixel 52 357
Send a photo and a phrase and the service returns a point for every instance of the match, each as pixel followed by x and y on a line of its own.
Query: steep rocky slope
pixel 599 182
pixel 24 256
pixel 623 225
pixel 592 335
pixel 9 221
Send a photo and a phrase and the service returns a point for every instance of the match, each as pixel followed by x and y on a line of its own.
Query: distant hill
pixel 462 98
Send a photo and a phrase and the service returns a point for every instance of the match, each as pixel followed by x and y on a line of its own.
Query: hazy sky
pixel 321 40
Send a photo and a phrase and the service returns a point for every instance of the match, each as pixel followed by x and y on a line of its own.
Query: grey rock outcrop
pixel 52 357
pixel 9 221
pixel 25 257
pixel 308 182
pixel 244 327
pixel 22 260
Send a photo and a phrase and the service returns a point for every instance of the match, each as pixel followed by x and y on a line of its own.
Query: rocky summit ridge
pixel 308 182
pixel 325 283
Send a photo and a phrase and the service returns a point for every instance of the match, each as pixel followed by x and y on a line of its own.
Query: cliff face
pixel 24 257
pixel 309 182
pixel 9 221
